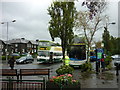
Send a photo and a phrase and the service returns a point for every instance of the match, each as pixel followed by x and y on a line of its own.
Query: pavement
pixel 106 79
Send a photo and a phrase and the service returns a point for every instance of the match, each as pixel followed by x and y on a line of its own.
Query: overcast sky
pixel 32 19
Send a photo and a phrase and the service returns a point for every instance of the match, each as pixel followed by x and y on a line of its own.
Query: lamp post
pixel 7 38
pixel 107 24
pixel 106 28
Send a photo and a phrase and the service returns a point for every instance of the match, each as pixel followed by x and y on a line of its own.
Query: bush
pixel 86 67
pixel 17 57
pixel 4 57
pixel 34 55
pixel 109 67
pixel 108 60
pixel 64 69
pixel 62 82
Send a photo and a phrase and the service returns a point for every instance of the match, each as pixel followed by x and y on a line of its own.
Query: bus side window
pixel 51 55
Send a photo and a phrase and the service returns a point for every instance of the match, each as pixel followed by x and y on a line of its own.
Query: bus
pixel 49 54
pixel 77 54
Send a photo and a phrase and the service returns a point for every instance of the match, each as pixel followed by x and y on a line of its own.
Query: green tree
pixel 106 41
pixel 113 43
pixel 118 45
pixel 62 22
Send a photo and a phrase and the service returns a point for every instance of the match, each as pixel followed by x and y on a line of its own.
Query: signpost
pixel 99 53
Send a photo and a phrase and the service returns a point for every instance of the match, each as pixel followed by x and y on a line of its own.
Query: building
pixel 5 48
pixel 20 46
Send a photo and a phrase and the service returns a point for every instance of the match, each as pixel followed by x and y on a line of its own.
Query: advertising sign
pixel 99 53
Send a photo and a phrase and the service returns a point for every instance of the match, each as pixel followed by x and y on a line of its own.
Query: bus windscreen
pixel 77 52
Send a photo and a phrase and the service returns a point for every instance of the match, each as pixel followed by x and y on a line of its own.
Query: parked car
pixel 23 54
pixel 117 61
pixel 92 58
pixel 25 59
pixel 14 54
pixel 115 56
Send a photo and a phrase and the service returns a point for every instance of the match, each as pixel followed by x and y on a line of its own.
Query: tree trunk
pixel 63 50
pixel 88 53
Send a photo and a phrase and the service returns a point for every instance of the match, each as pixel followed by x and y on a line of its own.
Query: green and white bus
pixel 48 53
pixel 77 54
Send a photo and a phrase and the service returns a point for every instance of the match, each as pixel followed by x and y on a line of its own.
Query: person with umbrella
pixel 11 62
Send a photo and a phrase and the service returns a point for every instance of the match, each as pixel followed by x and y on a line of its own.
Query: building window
pixel 16 45
pixel 6 50
pixel 16 50
pixel 2 46
pixel 23 50
pixel 34 46
pixel 28 45
pixel 1 52
pixel 12 51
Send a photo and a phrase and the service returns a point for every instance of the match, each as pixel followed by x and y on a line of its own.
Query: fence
pixel 9 84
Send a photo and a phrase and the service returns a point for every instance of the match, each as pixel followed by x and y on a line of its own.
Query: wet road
pixel 91 81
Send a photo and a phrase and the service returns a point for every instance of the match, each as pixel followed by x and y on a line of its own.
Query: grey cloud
pixel 31 23
pixel 119 19
pixel 32 20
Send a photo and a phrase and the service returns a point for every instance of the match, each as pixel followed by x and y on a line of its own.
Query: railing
pixel 9 84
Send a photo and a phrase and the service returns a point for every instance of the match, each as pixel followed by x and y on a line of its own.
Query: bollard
pixel 117 70
pixel 97 67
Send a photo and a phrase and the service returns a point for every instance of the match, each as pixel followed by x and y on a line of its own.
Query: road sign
pixel 99 53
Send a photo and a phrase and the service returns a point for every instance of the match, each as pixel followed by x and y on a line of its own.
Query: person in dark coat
pixel 11 62
pixel 103 62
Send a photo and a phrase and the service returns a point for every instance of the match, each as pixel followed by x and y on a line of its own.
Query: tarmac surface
pixel 107 79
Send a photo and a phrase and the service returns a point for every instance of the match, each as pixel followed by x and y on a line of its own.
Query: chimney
pixel 37 40
pixel 23 38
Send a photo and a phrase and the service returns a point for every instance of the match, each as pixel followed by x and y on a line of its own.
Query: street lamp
pixel 7 38
pixel 106 28
pixel 107 24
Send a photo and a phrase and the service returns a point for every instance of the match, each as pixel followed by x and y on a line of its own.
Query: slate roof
pixel 5 42
pixel 34 42
pixel 20 40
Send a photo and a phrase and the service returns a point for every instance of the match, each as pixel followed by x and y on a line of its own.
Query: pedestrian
pixel 67 60
pixel 11 62
pixel 103 63
pixel 51 57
